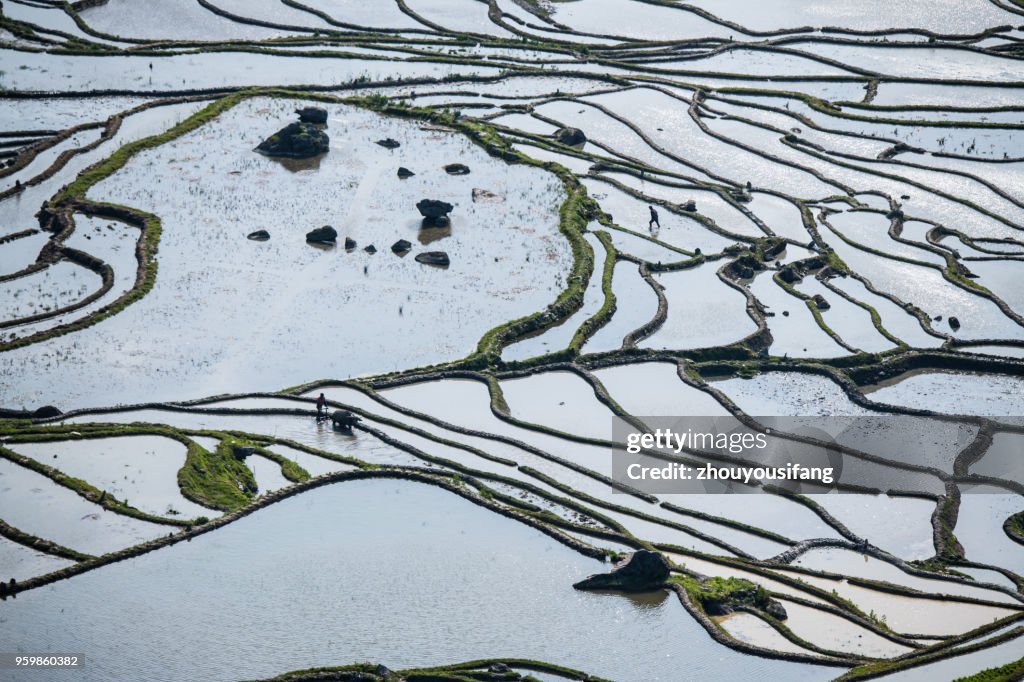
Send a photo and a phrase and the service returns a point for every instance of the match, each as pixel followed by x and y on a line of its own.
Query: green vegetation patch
pixel 719 596
pixel 217 479
pixel 1011 672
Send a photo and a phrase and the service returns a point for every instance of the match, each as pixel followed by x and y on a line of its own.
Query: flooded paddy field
pixel 483 232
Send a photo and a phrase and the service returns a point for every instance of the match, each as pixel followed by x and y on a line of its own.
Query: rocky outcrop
pixel 570 136
pixel 722 596
pixel 312 115
pixel 456 169
pixel 350 243
pixel 776 610
pixel 772 247
pixel 296 141
pixel 401 247
pixel 820 303
pixel 404 172
pixel 371 249
pixel 954 323
pixel 438 258
pixel 744 267
pixel 641 571
pixel 322 235
pixel 789 274
pixel 46 412
pixel 259 236
pixel 434 212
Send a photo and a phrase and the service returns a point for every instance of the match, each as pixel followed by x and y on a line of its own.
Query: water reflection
pixel 391 571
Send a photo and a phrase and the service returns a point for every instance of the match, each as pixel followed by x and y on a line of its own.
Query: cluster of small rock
pixel 306 138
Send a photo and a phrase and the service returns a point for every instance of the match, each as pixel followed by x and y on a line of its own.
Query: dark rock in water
pixel 570 136
pixel 322 235
pixel 954 323
pixel 641 571
pixel 370 249
pixel 240 452
pixel 772 248
pixel 402 246
pixel 776 610
pixel 432 208
pixel 350 243
pixel 46 412
pixel 434 212
pixel 439 258
pixel 456 169
pixel 386 674
pixel 296 141
pixel 744 267
pixel 483 196
pixel 312 115
pixel 785 313
pixel 343 419
pixel 789 274
pixel 820 303
pixel 895 214
pixel 404 172
pixel 690 206
pixel 498 669
pixel 259 236
pixel 388 143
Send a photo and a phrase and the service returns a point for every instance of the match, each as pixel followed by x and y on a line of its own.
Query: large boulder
pixel 434 212
pixel 770 248
pixel 312 115
pixel 456 169
pixel 438 258
pixel 259 236
pixel 404 172
pixel 46 412
pixel 570 136
pixel 296 141
pixel 641 571
pixel 744 267
pixel 776 610
pixel 322 235
pixel 789 274
pixel 401 247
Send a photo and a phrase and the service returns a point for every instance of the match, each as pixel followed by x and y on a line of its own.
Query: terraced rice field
pixel 839 203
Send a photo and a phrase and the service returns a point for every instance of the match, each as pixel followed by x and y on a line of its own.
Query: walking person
pixel 321 407
pixel 654 220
